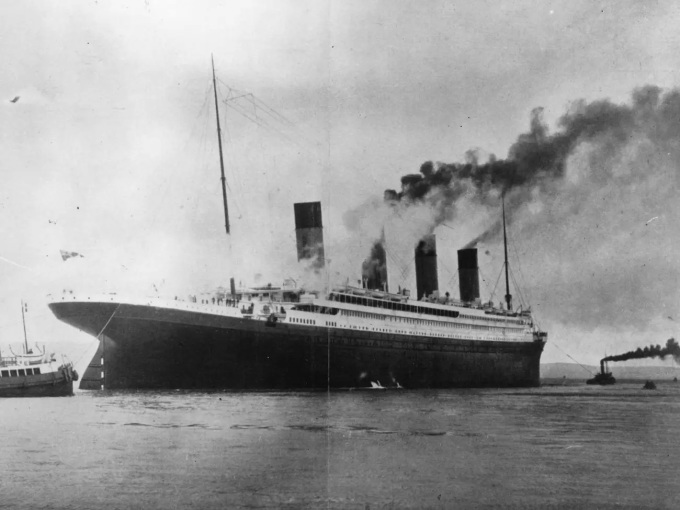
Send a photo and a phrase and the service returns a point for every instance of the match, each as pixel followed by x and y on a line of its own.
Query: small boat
pixel 35 374
pixel 649 385
pixel 604 377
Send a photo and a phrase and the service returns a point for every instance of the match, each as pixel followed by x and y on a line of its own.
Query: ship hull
pixel 46 385
pixel 602 379
pixel 156 347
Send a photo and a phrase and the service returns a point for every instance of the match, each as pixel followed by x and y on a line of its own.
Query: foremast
pixel 219 143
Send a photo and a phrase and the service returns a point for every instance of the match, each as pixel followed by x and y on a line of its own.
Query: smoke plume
pixel 579 198
pixel 535 161
pixel 653 351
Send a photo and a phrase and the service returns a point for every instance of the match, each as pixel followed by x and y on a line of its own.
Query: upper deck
pixel 434 306
pixel 346 308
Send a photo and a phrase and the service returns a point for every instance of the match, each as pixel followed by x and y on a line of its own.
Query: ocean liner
pixel 285 338
pixel 351 337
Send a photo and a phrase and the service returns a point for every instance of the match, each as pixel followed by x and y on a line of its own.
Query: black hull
pixel 154 347
pixel 602 379
pixel 46 385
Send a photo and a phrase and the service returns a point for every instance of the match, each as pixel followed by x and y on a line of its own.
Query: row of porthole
pixel 438 335
pixel 427 322
pixel 303 321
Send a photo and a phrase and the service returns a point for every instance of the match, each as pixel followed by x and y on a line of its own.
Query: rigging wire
pixel 495 287
pixel 260 105
pixel 519 269
pixel 570 357
pixel 453 274
pixel 402 268
pixel 82 355
pixel 522 301
pixel 202 147
pixel 452 281
pixel 271 111
pixel 486 284
pixel 244 113
pixel 303 151
pixel 279 124
pixel 226 181
pixel 164 188
pixel 257 103
pixel 518 289
pixel 233 166
pixel 236 96
pixel 255 111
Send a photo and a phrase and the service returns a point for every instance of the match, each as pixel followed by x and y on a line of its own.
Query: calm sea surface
pixel 548 447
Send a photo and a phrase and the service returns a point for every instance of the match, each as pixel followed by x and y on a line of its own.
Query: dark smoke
pixel 537 158
pixel 489 233
pixel 653 351
pixel 537 162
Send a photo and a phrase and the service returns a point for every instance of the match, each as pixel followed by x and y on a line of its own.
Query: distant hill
pixel 574 371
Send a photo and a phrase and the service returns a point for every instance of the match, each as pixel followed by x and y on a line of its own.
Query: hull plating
pixel 47 385
pixel 154 347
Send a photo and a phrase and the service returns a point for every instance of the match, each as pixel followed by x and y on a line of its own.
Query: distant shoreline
pixel 573 371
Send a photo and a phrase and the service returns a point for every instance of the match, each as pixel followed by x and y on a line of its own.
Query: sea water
pixel 549 447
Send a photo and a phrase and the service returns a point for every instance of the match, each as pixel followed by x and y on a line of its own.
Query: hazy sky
pixel 111 149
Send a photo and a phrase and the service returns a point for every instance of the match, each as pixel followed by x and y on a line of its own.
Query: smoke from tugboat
pixel 672 348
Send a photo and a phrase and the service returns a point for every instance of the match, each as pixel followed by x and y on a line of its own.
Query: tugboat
pixel 604 377
pixel 35 374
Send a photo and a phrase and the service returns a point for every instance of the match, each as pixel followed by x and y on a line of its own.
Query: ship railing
pixel 229 307
pixel 20 361
pixel 8 360
pixel 192 303
pixel 433 299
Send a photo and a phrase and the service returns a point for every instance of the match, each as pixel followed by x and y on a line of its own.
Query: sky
pixel 111 151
